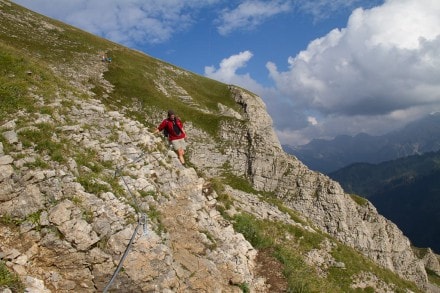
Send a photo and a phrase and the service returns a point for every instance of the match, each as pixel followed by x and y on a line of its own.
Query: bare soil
pixel 271 269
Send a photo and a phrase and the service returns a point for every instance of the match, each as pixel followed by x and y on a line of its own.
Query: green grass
pixel 143 95
pixel 61 41
pixel 7 147
pixel 290 244
pixel 92 176
pixel 13 84
pixel 154 216
pixel 9 279
pixel 356 263
pixel 38 163
pixel 89 159
pixel 359 200
pixel 433 277
pixel 40 138
pixel 266 234
pixel 239 183
pixel 7 219
pixel 151 193
pixel 90 184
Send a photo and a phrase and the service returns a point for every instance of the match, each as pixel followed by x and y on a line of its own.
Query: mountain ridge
pixel 404 190
pixel 80 166
pixel 327 156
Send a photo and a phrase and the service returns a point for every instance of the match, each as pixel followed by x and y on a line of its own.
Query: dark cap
pixel 171 112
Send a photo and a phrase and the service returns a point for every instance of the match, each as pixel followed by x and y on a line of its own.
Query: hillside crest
pixel 81 171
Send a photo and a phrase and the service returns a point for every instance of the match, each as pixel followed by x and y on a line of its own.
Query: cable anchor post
pixel 143 222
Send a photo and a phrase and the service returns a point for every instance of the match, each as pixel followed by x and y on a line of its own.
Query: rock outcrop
pixel 72 238
pixel 253 149
pixel 355 223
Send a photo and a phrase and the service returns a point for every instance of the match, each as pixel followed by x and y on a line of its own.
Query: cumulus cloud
pixel 227 71
pixel 382 69
pixel 250 14
pixel 133 22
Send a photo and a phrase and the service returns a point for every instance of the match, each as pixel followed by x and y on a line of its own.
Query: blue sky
pixel 323 67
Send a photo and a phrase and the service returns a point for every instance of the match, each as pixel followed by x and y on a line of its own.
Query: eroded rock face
pixel 432 261
pixel 252 148
pixel 78 237
pixel 72 231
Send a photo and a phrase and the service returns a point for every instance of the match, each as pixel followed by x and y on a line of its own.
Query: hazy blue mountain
pixel 327 156
pixel 406 191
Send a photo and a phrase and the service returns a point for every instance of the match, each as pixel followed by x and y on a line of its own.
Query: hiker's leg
pixel 179 146
pixel 180 153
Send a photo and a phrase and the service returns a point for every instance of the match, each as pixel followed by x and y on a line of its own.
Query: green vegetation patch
pixel 40 138
pixel 155 216
pixel 9 279
pixel 94 173
pixel 55 40
pixel 433 277
pixel 356 263
pixel 14 83
pixel 38 163
pixel 91 184
pixel 148 86
pixel 359 199
pixel 290 244
pixel 239 183
pixel 22 79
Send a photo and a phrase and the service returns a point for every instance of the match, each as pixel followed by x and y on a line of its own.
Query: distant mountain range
pixel 406 191
pixel 328 156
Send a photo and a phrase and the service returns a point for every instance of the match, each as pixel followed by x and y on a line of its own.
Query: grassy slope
pixel 133 73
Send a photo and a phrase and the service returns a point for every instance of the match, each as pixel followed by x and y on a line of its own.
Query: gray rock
pixel 11 136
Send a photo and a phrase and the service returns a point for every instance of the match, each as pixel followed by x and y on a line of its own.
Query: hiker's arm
pixel 160 127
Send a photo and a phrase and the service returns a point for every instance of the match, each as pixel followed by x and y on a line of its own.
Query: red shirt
pixel 173 127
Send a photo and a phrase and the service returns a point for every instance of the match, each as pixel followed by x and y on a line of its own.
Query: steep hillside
pixel 404 190
pixel 91 200
pixel 327 156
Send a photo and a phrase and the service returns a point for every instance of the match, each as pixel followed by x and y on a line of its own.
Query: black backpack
pixel 166 133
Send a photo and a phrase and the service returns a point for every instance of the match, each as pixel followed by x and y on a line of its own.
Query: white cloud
pixel 227 71
pixel 386 61
pixel 321 9
pixel 129 23
pixel 312 120
pixel 250 14
pixel 229 66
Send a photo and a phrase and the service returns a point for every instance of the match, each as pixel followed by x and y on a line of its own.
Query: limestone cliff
pixel 255 151
pixel 184 257
pixel 83 178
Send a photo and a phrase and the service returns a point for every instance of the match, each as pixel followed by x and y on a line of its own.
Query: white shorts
pixel 179 144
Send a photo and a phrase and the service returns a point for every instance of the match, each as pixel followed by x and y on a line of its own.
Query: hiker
pixel 173 126
pixel 104 58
